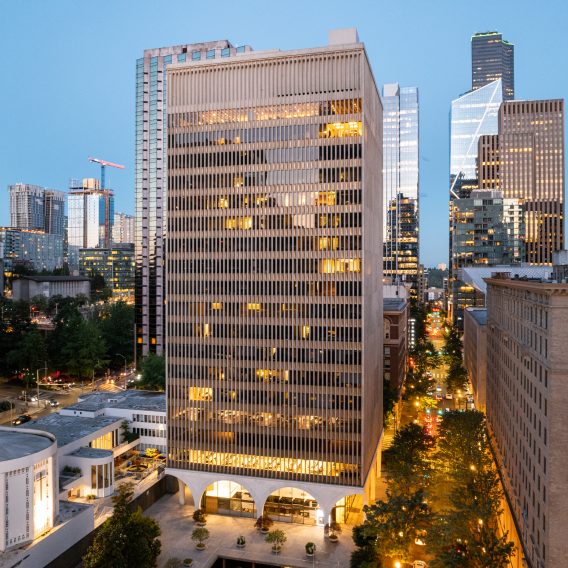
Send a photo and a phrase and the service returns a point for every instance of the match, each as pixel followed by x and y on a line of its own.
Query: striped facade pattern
pixel 274 215
pixel 531 148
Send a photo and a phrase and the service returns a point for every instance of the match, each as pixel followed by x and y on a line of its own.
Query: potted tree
pixel 200 535
pixel 241 542
pixel 310 549
pixel 200 517
pixel 188 561
pixel 263 523
pixel 277 538
pixel 334 531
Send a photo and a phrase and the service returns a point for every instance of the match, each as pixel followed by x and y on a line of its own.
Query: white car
pixel 419 564
pixel 449 396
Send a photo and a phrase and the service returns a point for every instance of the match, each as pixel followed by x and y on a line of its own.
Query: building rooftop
pixel 478 314
pixel 16 444
pixel 394 304
pixel 130 399
pixel 475 275
pixel 68 429
pixel 93 453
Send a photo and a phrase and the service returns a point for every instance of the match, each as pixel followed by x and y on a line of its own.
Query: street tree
pixel 153 372
pixel 116 322
pixel 30 354
pixel 84 349
pixel 126 539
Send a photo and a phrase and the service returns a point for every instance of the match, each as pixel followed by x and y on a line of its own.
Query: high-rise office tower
pixel 493 58
pixel 472 115
pixel 531 150
pixel 487 230
pixel 488 161
pixel 37 208
pixel 123 228
pixel 90 214
pixel 151 181
pixel 275 330
pixel 401 185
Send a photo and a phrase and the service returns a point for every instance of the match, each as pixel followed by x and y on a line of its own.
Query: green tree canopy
pixel 127 539
pixel 153 372
pixel 116 323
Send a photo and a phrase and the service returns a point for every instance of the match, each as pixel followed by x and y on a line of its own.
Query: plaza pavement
pixel 177 525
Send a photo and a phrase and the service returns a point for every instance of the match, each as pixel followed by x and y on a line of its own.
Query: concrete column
pixel 181 492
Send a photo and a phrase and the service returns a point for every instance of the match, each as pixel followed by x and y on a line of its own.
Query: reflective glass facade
pixel 151 182
pixel 401 185
pixel 472 115
pixel 488 230
pixel 493 58
pixel 90 214
pixel 274 344
pixel 35 249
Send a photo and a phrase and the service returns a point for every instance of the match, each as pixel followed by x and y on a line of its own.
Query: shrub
pixel 241 541
pixel 277 538
pixel 264 522
pixel 199 516
pixel 310 548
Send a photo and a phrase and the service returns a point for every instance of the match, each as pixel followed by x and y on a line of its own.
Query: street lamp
pixel 125 373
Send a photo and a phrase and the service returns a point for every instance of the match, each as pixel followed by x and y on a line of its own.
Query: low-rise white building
pixel 28 501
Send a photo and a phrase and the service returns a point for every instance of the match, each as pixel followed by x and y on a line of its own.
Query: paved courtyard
pixel 177 525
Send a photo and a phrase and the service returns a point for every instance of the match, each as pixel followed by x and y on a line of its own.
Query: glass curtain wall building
pixel 90 214
pixel 401 185
pixel 274 344
pixel 488 231
pixel 493 58
pixel 472 115
pixel 151 181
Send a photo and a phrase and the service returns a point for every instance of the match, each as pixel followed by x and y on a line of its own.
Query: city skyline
pixel 49 147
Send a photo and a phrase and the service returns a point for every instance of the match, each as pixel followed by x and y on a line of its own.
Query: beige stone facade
pixel 527 402
pixel 274 349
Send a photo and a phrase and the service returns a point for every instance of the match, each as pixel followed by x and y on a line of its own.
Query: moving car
pixel 22 419
pixel 53 402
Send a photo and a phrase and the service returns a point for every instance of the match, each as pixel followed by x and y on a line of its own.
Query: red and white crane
pixel 104 164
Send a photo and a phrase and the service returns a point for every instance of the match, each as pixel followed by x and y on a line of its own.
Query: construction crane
pixel 104 164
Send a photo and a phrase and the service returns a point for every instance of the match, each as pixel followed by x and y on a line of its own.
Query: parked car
pixel 439 396
pixel 53 402
pixel 419 564
pixel 449 396
pixel 22 419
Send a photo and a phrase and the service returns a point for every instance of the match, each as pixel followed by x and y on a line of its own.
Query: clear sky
pixel 68 66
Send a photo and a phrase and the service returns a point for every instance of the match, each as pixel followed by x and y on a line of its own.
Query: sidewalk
pixel 177 526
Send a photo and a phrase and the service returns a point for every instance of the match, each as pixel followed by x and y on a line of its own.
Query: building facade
pixel 90 214
pixel 274 359
pixel 123 228
pixel 151 180
pixel 28 287
pixel 488 161
pixel 527 389
pixel 472 115
pixel 401 185
pixel 34 207
pixel 34 249
pixel 29 503
pixel 531 147
pixel 115 265
pixel 486 230
pixel 475 352
pixel 395 337
pixel 493 58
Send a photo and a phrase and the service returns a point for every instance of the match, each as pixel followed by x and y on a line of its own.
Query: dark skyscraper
pixel 493 58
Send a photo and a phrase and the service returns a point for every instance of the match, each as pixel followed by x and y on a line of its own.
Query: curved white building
pixel 28 504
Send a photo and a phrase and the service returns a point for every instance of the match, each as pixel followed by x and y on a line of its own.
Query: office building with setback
pixel 275 343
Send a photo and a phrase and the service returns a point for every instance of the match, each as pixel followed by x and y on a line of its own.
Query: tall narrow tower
pixel 493 58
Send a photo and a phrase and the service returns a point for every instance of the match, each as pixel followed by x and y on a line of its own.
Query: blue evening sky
pixel 67 69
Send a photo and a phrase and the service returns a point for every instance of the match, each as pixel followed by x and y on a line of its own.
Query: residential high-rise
pixel 487 230
pixel 401 185
pixel 275 337
pixel 493 58
pixel 123 228
pixel 90 214
pixel 527 389
pixel 531 151
pixel 27 247
pixel 472 115
pixel 151 178
pixel 37 208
